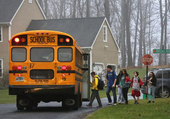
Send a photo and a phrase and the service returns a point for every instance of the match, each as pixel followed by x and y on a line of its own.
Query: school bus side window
pixel 19 54
pixel 42 54
pixel 65 54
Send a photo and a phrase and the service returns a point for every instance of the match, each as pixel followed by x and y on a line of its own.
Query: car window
pixel 166 74
pixel 159 74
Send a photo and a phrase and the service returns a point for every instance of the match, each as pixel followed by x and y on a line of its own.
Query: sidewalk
pixel 105 100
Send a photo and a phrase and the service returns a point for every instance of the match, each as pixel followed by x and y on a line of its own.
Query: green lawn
pixel 158 110
pixel 142 72
pixel 6 98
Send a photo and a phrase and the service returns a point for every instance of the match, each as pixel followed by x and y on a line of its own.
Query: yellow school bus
pixel 47 66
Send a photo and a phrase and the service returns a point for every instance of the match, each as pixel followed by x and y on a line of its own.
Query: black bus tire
pixel 71 102
pixel 20 108
pixel 24 102
pixel 80 101
pixel 76 105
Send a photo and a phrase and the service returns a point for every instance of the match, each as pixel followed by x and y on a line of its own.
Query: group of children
pixel 123 83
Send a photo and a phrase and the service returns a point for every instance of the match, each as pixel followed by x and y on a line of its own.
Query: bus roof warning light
pixel 17 40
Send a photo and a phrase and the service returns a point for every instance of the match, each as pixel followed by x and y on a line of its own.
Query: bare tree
pixel 162 29
pixel 136 34
pixel 107 10
pixel 127 22
pixel 123 51
pixel 140 34
pixel 74 8
pixel 165 23
pixel 87 8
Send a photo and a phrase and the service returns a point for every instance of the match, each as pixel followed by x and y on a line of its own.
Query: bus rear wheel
pixel 24 102
pixel 71 102
pixel 80 101
pixel 20 108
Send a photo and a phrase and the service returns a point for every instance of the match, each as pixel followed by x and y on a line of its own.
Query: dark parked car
pixel 166 82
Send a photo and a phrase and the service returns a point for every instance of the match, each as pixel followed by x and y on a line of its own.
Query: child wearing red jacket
pixel 136 83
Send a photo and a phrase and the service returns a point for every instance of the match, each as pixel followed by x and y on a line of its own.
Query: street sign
pixel 147 59
pixel 161 50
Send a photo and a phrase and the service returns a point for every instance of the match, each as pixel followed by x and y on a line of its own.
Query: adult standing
pixel 120 94
pixel 125 84
pixel 151 83
pixel 110 85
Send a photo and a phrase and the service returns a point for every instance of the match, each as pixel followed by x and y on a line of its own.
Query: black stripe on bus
pixel 78 79
pixel 79 66
pixel 10 71
pixel 71 71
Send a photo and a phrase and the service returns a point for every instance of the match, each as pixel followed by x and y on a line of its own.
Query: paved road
pixel 51 110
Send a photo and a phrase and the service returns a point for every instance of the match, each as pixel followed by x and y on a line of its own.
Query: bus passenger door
pixel 86 77
pixel 42 66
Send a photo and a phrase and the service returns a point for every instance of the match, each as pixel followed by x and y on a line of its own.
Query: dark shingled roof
pixel 7 9
pixel 84 30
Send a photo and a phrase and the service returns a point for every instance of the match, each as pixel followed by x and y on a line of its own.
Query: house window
pixel 1 68
pixel 29 1
pixel 104 33
pixel 1 34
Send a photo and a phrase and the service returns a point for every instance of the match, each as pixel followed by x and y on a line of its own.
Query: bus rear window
pixel 65 54
pixel 41 74
pixel 42 54
pixel 19 54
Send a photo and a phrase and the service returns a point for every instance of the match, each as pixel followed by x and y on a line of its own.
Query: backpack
pixel 117 82
pixel 100 84
pixel 138 81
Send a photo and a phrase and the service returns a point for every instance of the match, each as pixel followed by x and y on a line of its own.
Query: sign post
pixel 147 60
pixel 162 51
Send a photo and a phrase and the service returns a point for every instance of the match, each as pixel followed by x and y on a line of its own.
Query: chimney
pixel 30 1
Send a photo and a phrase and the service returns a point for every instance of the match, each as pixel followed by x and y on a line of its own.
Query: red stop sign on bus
pixel 147 59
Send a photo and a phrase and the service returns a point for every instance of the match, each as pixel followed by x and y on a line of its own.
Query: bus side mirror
pixel 85 58
pixel 86 61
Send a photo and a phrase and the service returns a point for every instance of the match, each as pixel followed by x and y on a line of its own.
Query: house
pixel 92 34
pixel 15 16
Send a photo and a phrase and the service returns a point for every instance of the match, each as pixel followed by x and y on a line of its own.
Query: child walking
pixel 125 84
pixel 136 83
pixel 95 92
pixel 120 95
